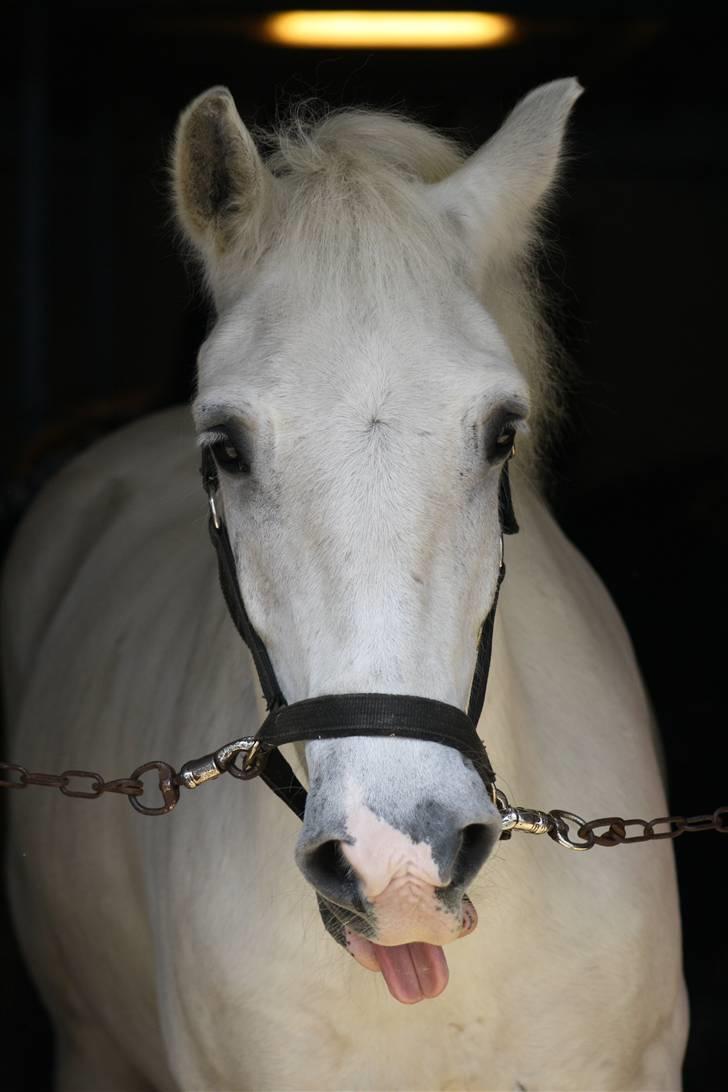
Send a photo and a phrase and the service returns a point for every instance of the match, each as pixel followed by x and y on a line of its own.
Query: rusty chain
pixel 191 775
pixel 616 832
pixel 556 823
pixel 18 777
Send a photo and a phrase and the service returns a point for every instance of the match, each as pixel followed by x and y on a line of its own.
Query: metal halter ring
pixel 560 830
pixel 168 787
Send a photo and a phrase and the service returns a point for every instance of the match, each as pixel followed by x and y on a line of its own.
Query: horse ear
pixel 496 195
pixel 222 188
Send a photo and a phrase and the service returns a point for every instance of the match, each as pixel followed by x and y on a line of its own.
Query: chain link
pixel 17 777
pixel 557 823
pixel 617 829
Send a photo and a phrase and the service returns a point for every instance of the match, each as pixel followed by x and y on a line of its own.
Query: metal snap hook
pixel 253 758
pixel 528 820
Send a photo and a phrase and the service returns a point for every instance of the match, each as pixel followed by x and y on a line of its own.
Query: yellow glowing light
pixel 388 29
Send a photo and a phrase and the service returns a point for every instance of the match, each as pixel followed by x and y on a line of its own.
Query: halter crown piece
pixel 333 716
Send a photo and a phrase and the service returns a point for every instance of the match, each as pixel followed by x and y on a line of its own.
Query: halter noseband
pixel 333 716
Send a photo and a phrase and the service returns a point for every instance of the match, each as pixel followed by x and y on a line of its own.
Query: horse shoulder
pixel 70 520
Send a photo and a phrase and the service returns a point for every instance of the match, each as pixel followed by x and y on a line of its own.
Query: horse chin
pixel 413 971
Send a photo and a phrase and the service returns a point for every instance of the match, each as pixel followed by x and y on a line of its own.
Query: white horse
pixel 376 349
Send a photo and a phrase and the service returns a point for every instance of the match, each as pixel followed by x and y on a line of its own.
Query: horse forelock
pixel 353 227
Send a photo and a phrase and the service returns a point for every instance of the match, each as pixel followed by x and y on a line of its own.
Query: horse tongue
pixel 412 971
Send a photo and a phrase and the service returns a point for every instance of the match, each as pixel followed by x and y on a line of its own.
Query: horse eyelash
pixel 211 437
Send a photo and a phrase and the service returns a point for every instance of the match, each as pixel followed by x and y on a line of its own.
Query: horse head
pixel 369 369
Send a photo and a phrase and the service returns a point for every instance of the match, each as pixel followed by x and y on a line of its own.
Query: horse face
pixel 361 402
pixel 361 498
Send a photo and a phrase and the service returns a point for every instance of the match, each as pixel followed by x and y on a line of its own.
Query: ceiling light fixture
pixel 388 29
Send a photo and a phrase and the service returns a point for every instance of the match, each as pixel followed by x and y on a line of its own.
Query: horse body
pixel 197 925
pixel 185 952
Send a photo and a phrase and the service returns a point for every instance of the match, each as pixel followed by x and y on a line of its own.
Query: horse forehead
pixel 408 383
pixel 398 348
pixel 360 400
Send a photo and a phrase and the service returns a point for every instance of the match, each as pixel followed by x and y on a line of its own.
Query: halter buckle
pixel 213 510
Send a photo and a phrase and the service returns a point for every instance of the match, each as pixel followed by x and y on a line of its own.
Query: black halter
pixel 335 715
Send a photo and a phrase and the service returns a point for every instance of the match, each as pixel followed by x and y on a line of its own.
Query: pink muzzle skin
pixel 413 970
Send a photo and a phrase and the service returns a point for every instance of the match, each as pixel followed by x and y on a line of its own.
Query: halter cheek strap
pixel 334 716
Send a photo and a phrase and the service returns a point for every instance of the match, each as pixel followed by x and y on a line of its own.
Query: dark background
pixel 102 321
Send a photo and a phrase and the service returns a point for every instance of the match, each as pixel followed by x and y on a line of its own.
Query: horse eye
pixel 503 443
pixel 229 458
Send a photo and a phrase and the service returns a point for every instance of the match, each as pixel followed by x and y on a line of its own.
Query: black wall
pixel 102 322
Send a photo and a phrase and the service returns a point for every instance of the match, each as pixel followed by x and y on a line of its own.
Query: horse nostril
pixel 326 863
pixel 476 842
pixel 327 869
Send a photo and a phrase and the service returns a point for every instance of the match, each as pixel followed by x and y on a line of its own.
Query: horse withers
pixel 377 351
